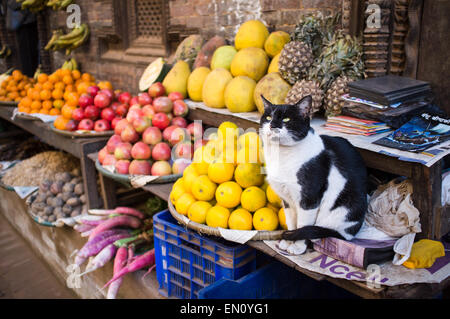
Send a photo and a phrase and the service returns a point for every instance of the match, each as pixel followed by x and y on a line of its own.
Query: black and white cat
pixel 321 179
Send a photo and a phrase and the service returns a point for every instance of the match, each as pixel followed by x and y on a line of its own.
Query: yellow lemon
pixel 253 198
pixel 227 131
pixel 282 218
pixel 264 185
pixel 248 174
pixel 220 172
pixel 228 155
pixel 272 207
pixel 249 140
pixel 228 194
pixel 272 197
pixel 177 191
pixel 183 203
pixel 199 162
pixel 189 175
pixel 178 182
pixel 203 188
pixel 240 219
pixel 210 151
pixel 265 219
pixel 197 211
pixel 249 155
pixel 217 216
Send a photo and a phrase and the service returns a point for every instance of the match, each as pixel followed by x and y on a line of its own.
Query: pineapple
pixel 295 60
pixel 332 102
pixel 304 88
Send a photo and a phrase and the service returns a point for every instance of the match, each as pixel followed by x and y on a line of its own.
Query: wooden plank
pixel 90 174
pixel 386 163
pixel 214 119
pixel 108 191
pixel 160 190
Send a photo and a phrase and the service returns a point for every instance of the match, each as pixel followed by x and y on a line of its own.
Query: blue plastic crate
pixel 187 262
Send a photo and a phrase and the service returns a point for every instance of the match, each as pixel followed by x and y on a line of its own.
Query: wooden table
pixel 78 147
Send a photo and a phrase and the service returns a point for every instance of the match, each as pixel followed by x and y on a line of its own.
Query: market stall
pixel 161 189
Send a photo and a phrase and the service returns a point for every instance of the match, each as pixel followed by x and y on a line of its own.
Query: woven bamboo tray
pixel 206 230
pixel 125 179
pixel 36 218
pixel 81 134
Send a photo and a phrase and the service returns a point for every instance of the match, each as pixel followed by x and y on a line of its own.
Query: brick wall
pixel 106 55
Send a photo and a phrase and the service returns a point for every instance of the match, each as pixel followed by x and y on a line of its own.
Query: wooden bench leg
pixel 108 189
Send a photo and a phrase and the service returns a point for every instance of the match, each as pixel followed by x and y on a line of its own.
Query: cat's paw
pixel 284 244
pixel 298 247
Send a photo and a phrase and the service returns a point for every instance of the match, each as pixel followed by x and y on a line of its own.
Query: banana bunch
pixel 58 4
pixel 32 5
pixel 37 72
pixel 69 41
pixel 70 64
pixel 5 52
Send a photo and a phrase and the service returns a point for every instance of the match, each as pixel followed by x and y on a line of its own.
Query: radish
pixel 119 263
pixel 118 221
pixel 92 220
pixel 145 260
pixel 105 255
pixel 118 210
pixel 81 228
pixel 87 233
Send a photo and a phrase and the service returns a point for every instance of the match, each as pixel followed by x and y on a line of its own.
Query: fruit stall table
pixel 78 147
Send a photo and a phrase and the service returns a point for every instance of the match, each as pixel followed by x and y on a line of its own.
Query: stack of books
pixel 353 125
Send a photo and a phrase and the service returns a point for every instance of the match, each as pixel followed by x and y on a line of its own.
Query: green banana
pixel 53 39
pixel 74 64
pixel 76 32
pixel 64 4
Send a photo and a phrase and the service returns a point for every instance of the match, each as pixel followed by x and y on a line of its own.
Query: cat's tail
pixel 310 232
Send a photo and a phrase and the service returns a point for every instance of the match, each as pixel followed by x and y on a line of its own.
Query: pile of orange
pixel 15 87
pixel 56 93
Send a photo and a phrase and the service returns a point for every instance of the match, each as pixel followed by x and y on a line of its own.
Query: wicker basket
pixel 206 230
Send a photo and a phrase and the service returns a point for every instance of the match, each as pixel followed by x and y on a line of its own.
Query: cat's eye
pixel 286 119
pixel 268 118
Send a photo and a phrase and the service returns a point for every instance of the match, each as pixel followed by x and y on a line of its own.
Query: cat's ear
pixel 266 103
pixel 304 106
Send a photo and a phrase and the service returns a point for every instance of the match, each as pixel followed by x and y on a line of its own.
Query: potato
pixel 58 202
pixel 76 211
pixel 83 199
pixel 49 200
pixel 65 196
pixel 79 189
pixel 67 209
pixel 38 207
pixel 56 187
pixel 63 177
pixel 68 188
pixel 48 210
pixel 45 186
pixel 51 218
pixel 74 201
pixel 40 198
pixel 57 211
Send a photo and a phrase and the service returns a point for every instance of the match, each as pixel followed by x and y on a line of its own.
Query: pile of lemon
pixel 225 185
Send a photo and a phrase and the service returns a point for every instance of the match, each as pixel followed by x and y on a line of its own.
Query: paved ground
pixel 23 275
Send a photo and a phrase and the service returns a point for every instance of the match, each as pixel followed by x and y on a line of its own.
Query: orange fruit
pixel 47 105
pixel 67 110
pixel 59 86
pixel 17 99
pixel 72 99
pixel 57 94
pixel 65 72
pixel 20 85
pixel 48 86
pixel 105 85
pixel 23 93
pixel 26 101
pixel 76 75
pixel 58 104
pixel 36 95
pixel 60 123
pixel 42 78
pixel 70 88
pixel 67 79
pixel 36 105
pixel 17 75
pixel 43 111
pixel 45 95
pixel 38 86
pixel 2 92
pixel 86 77
pixel 53 78
pixel 82 87
pixel 13 95
pixel 54 111
pixel 34 111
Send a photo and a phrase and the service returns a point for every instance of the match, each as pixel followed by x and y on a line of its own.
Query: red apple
pixel 93 90
pixel 175 96
pixel 124 97
pixel 152 135
pixel 114 122
pixel 144 98
pixel 161 152
pixel 195 129
pixel 129 134
pixel 156 89
pixel 72 125
pixel 169 116
pixel 122 110
pixel 179 165
pixel 161 120
pixel 134 114
pixel 178 135
pixel 109 160
pixel 179 121
pixel 86 125
pixel 140 167
pixel 161 168
pixel 198 143
pixel 91 112
pixel 141 151
pixel 102 125
pixel 109 93
pixel 120 126
pixel 183 150
pixel 107 114
pixel 135 107
pixel 163 104
pixel 102 100
pixel 180 108
pixel 85 100
pixel 114 105
pixel 102 154
pixel 134 100
pixel 167 133
pixel 148 111
pixel 122 166
pixel 123 151
pixel 78 114
pixel 112 143
pixel 141 124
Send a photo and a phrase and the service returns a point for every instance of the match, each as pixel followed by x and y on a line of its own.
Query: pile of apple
pixel 154 138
